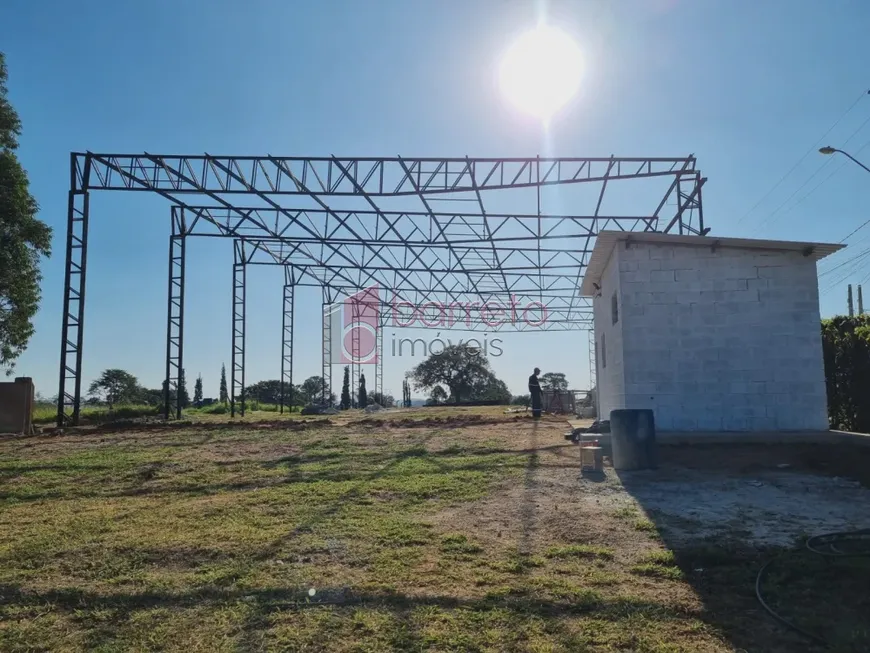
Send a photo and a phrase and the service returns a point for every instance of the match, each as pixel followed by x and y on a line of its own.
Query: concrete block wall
pixel 720 340
pixel 609 342
pixel 16 406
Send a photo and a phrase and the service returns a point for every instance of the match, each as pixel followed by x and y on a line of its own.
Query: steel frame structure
pixel 287 339
pixel 175 319
pixel 385 224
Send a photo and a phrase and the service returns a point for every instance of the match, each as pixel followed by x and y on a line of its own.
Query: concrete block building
pixel 713 334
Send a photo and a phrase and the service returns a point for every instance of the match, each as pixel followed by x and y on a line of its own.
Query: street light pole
pixel 830 150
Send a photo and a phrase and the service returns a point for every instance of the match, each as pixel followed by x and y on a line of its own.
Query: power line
pixel 863 224
pixel 854 264
pixel 863 252
pixel 800 160
pixel 810 178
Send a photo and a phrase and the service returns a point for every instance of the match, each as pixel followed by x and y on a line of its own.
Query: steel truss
pixel 424 229
pixel 553 289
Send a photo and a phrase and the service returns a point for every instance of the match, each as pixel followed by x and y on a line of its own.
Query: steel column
pixel 355 367
pixel 326 361
pixel 688 201
pixel 593 368
pixel 175 317
pixel 287 348
pixel 72 328
pixel 379 358
pixel 237 367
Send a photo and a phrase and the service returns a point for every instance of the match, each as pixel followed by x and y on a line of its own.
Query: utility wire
pixel 800 160
pixel 864 280
pixel 855 260
pixel 845 272
pixel 810 178
pixel 854 264
pixel 863 224
pixel 863 252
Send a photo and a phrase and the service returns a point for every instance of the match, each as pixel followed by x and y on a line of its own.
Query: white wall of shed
pixel 610 377
pixel 721 339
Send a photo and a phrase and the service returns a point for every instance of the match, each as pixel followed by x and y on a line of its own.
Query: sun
pixel 541 71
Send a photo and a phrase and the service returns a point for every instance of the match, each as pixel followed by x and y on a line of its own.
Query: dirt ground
pixel 762 495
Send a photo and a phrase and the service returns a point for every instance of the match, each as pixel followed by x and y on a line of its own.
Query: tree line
pixel 116 387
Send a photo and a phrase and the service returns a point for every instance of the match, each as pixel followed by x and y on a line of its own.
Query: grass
pixel 44 414
pixel 579 551
pixel 644 525
pixel 47 413
pixel 458 543
pixel 626 512
pixel 339 537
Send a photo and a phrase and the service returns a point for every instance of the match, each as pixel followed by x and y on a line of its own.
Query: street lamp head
pixel 827 149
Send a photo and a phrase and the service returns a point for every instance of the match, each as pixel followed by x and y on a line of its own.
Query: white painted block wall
pixel 713 340
pixel 608 336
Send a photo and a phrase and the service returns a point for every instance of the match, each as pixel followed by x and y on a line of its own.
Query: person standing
pixel 535 392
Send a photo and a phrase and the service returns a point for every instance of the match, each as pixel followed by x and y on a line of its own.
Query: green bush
pixel 215 409
pixel 846 347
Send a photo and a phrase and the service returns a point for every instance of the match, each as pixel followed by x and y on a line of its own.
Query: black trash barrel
pixel 633 438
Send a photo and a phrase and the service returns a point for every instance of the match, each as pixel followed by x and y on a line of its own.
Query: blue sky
pixel 746 86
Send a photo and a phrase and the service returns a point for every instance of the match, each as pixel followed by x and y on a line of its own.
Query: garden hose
pixel 830 545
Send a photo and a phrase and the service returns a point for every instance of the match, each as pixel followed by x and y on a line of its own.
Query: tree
pixel 23 239
pixel 406 393
pixel 267 392
pixel 312 389
pixel 345 389
pixel 115 386
pixel 491 388
pixel 846 351
pixel 554 381
pixel 437 396
pixel 457 367
pixel 363 396
pixel 151 397
pixel 383 399
pixel 224 395
pixel 178 395
pixel 521 400
pixel 197 392
pixel 183 396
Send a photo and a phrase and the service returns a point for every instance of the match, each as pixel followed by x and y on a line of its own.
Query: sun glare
pixel 541 71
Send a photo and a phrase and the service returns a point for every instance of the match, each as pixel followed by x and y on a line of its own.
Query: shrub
pixel 846 347
pixel 215 409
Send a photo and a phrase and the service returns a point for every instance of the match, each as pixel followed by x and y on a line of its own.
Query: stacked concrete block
pixel 712 339
pixel 609 345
